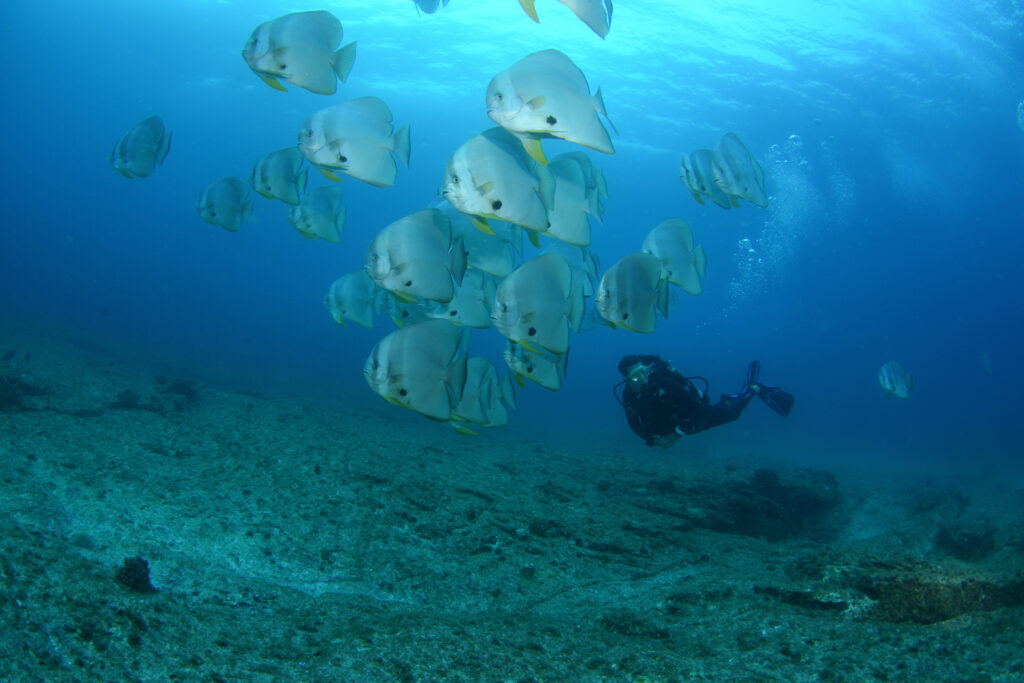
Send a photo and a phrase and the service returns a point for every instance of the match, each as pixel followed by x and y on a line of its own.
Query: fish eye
pixel 455 180
pixel 499 96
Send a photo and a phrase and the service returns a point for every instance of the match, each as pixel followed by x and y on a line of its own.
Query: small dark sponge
pixel 133 574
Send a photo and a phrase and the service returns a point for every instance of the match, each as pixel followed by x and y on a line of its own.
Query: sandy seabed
pixel 292 541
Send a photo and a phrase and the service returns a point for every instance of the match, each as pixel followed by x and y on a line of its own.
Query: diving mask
pixel 637 376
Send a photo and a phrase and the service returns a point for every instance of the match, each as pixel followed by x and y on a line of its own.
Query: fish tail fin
pixel 458 262
pixel 662 298
pixel 599 105
pixel 689 281
pixel 400 145
pixel 594 206
pixel 339 223
pixel 165 147
pixel 530 10
pixel 576 308
pixel 344 58
pixel 507 392
pixel 700 261
pixel 457 373
pixel 546 186
pixel 602 185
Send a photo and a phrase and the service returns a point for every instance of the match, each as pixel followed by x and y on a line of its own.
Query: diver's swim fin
pixel 777 399
pixel 752 373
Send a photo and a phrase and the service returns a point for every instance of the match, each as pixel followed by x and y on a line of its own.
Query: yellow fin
pixel 528 346
pixel 463 429
pixel 735 201
pixel 329 174
pixel 273 83
pixel 481 225
pixel 404 298
pixel 533 148
pixel 534 238
pixel 519 380
pixel 696 195
pixel 530 10
pixel 536 102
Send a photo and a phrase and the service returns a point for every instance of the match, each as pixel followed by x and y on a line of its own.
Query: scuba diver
pixel 662 405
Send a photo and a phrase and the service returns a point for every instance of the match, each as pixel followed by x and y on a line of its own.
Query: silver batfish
pixel 429 6
pixel 545 368
pixel 225 203
pixel 682 263
pixel 737 172
pixel 483 398
pixel 355 297
pixel 280 175
pixel 895 380
pixel 538 304
pixel 490 176
pixel 420 367
pixel 356 138
pixel 597 14
pixel 632 293
pixel 546 95
pixel 319 214
pixel 142 149
pixel 299 48
pixel 416 258
pixel 574 199
pixel 471 305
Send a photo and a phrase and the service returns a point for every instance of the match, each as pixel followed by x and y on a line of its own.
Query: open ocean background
pixel 887 129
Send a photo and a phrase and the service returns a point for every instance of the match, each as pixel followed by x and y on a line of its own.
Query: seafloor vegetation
pixel 156 528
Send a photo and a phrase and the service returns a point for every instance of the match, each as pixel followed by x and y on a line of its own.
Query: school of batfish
pixel 461 264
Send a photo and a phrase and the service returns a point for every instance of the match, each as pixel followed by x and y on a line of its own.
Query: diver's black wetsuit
pixel 669 400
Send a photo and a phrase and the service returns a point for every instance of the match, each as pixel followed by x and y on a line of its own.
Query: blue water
pixel 887 130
